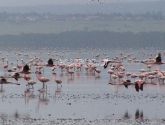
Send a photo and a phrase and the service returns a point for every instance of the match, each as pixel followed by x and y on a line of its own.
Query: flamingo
pixel 128 74
pixel 58 81
pixel 16 76
pixel 151 77
pixel 126 83
pixel 110 72
pixel 134 76
pixel 5 66
pixel 19 66
pixel 138 84
pixel 120 75
pixel 114 76
pixel 26 77
pixel 69 71
pixel 42 79
pixel 78 66
pixel 31 83
pixel 3 80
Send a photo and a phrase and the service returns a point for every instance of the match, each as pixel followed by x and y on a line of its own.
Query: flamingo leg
pixel 43 85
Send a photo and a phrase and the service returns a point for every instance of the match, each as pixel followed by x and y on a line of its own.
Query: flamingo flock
pixel 32 71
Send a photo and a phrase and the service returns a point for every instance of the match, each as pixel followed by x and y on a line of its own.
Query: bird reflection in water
pixel 97 77
pixel 70 79
pixel 28 94
pixel 57 92
pixel 3 80
pixel 43 98
pixel 3 118
pixel 138 115
pixel 2 89
pixel 126 115
pixel 16 115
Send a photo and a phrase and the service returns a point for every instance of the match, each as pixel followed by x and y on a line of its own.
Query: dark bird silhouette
pixel 127 83
pixel 126 115
pixel 16 76
pixel 137 87
pixel 3 80
pixel 26 69
pixel 138 114
pixel 106 64
pixel 50 62
pixel 138 84
pixel 141 87
pixel 158 58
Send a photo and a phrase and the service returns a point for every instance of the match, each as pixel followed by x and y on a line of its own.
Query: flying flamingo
pixel 126 83
pixel 138 84
pixel 16 76
pixel 3 80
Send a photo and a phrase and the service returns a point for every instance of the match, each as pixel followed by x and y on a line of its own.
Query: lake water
pixel 84 97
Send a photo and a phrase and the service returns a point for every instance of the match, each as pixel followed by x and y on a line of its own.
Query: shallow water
pixel 84 96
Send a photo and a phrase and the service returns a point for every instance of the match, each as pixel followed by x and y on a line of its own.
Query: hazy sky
pixel 43 2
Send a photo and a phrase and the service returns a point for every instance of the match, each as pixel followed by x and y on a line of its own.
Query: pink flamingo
pixel 31 83
pixel 58 81
pixel 19 66
pixel 26 77
pixel 42 79
pixel 3 80
pixel 69 71
pixel 5 66
pixel 151 77
pixel 128 74
pixel 134 76
pixel 139 85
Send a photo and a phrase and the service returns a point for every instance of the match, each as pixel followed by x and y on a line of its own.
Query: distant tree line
pixel 79 39
pixel 33 16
